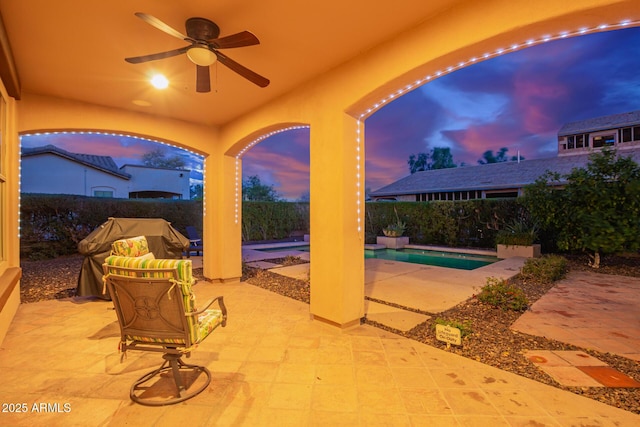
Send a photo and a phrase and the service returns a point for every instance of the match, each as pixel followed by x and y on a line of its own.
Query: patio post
pixel 221 221
pixel 337 229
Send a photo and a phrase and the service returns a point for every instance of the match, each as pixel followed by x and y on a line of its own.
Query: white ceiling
pixel 75 49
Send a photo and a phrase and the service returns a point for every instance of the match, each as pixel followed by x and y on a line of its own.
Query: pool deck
pixel 273 366
pixel 429 289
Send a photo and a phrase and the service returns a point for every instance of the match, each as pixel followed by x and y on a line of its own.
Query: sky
pixel 518 100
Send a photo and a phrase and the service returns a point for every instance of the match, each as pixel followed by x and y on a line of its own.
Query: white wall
pixel 51 174
pixel 155 179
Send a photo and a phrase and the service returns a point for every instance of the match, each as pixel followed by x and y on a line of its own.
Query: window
pixel 103 193
pixel 604 140
pixel 575 141
pixel 630 134
pixel 3 171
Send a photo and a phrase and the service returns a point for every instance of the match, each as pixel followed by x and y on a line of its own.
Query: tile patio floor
pixel 271 366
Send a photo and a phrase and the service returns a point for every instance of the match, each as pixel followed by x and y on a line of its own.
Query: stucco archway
pixel 336 104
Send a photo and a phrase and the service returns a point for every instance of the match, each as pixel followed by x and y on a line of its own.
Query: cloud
pixel 281 161
pixel 518 100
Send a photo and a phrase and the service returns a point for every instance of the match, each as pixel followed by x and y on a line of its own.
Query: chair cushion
pixel 150 255
pixel 207 322
pixel 132 247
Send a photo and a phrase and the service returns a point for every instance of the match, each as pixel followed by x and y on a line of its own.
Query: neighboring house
pixel 621 131
pixel 147 182
pixel 52 170
pixel 507 179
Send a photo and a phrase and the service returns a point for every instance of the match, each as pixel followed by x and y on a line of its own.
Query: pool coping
pixel 374 247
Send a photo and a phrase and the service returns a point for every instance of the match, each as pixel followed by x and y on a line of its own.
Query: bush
pixel 517 233
pixel 460 223
pixel 546 269
pixel 501 294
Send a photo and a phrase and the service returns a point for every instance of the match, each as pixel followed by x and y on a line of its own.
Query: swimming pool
pixel 461 261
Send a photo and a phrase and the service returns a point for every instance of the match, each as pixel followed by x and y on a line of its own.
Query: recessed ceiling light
pixel 159 81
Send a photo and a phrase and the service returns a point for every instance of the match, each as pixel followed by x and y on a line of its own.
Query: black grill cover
pixel 164 241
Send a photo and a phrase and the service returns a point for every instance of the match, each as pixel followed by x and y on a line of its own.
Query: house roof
pixel 128 165
pixel 612 121
pixel 102 163
pixel 494 176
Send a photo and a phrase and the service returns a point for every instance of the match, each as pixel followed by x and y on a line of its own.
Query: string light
pixel 358 192
pixel 115 134
pixel 238 188
pixel 546 38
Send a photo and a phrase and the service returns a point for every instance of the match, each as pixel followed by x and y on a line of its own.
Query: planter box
pixel 393 242
pixel 510 251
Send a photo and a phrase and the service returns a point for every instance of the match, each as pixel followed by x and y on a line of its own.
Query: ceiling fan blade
pixel 242 70
pixel 203 81
pixel 152 20
pixel 154 56
pixel 244 38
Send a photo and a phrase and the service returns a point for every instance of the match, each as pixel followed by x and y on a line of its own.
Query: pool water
pixel 461 261
pixel 457 260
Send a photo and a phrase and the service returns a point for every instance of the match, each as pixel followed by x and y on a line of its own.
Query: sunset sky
pixel 518 100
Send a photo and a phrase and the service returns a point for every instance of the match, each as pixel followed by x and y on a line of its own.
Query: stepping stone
pixel 578 369
pixel 393 317
pixel 263 265
pixel 609 377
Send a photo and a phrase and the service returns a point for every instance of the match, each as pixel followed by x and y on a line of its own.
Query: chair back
pixel 193 235
pixel 153 298
pixel 150 309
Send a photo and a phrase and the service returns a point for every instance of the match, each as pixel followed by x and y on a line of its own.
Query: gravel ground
pixel 492 341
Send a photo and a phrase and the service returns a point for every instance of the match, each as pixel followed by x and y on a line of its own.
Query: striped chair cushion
pixel 199 327
pixel 132 246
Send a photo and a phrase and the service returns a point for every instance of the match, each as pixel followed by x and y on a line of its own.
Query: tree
pixel 253 190
pixel 499 157
pixel 157 158
pixel 441 158
pixel 437 158
pixel 598 209
pixel 419 163
pixel 196 191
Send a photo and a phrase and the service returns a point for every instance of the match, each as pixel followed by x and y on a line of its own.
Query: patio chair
pixel 156 310
pixel 194 239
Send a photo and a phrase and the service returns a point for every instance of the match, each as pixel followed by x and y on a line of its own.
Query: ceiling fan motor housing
pixel 201 29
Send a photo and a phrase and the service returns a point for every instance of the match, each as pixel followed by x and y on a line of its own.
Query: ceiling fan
pixel 202 34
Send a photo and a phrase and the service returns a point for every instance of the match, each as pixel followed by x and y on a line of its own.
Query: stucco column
pixel 221 234
pixel 337 246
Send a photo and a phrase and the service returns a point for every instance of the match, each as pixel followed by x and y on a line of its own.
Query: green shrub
pixel 517 233
pixel 546 269
pixel 499 293
pixel 464 326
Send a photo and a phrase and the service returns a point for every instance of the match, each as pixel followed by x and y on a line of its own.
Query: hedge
pixel 52 225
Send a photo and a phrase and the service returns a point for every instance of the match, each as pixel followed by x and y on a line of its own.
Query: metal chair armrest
pixel 223 309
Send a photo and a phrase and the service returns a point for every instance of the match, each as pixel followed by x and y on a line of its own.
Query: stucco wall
pixel 330 104
pixel 51 174
pixel 153 179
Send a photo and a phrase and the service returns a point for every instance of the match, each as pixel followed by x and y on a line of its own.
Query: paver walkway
pixel 589 310
pixel 271 366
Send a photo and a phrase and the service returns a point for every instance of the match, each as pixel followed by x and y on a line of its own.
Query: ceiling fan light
pixel 202 56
